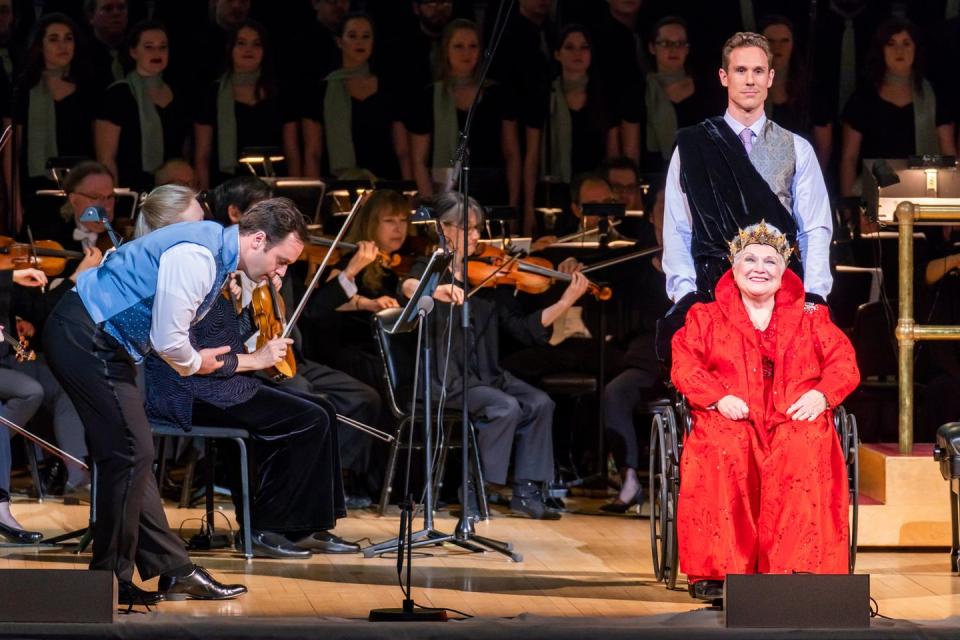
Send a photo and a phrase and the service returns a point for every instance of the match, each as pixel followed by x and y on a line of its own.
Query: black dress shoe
pixel 19 536
pixel 267 544
pixel 198 585
pixel 707 590
pixel 326 542
pixel 131 595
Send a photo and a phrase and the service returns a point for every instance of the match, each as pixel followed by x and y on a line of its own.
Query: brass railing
pixel 908 331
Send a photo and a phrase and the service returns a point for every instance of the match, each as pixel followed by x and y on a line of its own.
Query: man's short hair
pixel 277 217
pixel 746 39
pixel 241 192
pixel 621 163
pixel 577 185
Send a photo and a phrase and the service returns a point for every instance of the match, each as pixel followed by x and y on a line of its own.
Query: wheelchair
pixel 672 422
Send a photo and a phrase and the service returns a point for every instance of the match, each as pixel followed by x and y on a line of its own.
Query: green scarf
pixel 661 115
pixel 446 128
pixel 151 127
pixel 227 152
pixel 558 149
pixel 338 118
pixel 42 125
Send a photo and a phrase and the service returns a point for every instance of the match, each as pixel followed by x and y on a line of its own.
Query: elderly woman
pixel 763 482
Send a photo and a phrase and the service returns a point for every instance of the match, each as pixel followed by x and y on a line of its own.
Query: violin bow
pixel 624 258
pixel 60 453
pixel 292 322
pixel 36 259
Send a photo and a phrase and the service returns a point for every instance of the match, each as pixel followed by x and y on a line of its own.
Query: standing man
pixel 733 171
pixel 144 298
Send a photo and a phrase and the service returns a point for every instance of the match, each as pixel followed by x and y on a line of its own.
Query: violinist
pixel 574 345
pixel 514 420
pixel 143 299
pixel 349 396
pixel 20 397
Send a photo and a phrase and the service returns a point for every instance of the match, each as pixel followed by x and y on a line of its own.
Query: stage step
pixel 905 502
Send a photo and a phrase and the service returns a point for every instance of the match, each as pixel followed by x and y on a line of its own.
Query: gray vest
pixel 775 159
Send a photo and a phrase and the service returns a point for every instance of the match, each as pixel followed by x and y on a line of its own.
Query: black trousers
pixel 100 378
pixel 621 398
pixel 296 462
pixel 351 398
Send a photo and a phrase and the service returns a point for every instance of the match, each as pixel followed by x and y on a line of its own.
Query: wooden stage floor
pixel 585 565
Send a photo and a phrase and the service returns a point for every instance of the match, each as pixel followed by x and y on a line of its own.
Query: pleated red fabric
pixel 766 494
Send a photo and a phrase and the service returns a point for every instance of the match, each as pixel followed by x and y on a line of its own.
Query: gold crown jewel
pixel 761 233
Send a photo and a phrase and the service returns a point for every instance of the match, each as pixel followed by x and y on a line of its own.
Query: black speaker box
pixel 57 595
pixel 797 601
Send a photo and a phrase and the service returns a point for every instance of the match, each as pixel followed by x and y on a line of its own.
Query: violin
pixel 46 255
pixel 269 314
pixel 387 260
pixel 494 267
pixel 19 346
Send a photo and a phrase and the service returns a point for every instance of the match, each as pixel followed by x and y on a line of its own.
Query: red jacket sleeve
pixel 689 372
pixel 839 374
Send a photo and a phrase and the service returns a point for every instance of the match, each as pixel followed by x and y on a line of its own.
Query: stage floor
pixel 584 565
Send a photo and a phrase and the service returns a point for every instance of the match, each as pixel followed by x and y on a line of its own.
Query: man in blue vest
pixel 145 297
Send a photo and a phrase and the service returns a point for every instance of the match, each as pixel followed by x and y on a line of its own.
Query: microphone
pixel 425 305
pixel 99 214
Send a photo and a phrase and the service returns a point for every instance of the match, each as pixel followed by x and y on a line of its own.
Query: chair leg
pixel 245 500
pixel 478 474
pixel 211 468
pixel 34 470
pixel 186 491
pixel 442 462
pixel 391 467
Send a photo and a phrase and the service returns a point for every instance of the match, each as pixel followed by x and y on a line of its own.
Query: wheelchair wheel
pixel 664 486
pixel 853 477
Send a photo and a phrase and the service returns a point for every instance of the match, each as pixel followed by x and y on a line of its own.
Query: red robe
pixel 766 494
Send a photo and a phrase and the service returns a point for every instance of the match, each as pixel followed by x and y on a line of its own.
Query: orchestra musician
pixel 514 420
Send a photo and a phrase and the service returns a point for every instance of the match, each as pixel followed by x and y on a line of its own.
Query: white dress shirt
pixel 811 210
pixel 185 276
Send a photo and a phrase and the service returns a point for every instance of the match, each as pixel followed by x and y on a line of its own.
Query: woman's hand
pixel 570 265
pixel 733 408
pixel 377 304
pixel 808 407
pixel 577 287
pixel 448 293
pixel 365 254
pixel 29 277
pixel 272 352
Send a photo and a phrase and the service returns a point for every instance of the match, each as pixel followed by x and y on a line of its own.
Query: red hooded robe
pixel 766 494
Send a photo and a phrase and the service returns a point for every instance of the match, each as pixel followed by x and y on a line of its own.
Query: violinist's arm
pixel 185 276
pixel 576 288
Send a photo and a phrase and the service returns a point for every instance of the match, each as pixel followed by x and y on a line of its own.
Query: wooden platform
pixel 584 566
pixel 905 502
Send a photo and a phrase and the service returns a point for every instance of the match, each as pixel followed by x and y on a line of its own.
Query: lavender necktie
pixel 746 137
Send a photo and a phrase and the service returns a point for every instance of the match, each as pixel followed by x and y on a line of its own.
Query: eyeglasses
pixel 672 44
pixel 619 187
pixel 102 198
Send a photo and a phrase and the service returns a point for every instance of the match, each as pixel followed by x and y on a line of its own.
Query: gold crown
pixel 761 234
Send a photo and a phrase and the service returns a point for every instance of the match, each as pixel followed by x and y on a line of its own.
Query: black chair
pixel 209 435
pixel 397 354
pixel 671 424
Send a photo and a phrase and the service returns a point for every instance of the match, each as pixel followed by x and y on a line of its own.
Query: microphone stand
pixel 465 532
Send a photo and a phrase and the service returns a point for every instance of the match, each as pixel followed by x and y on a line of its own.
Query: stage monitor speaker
pixel 57 595
pixel 797 601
